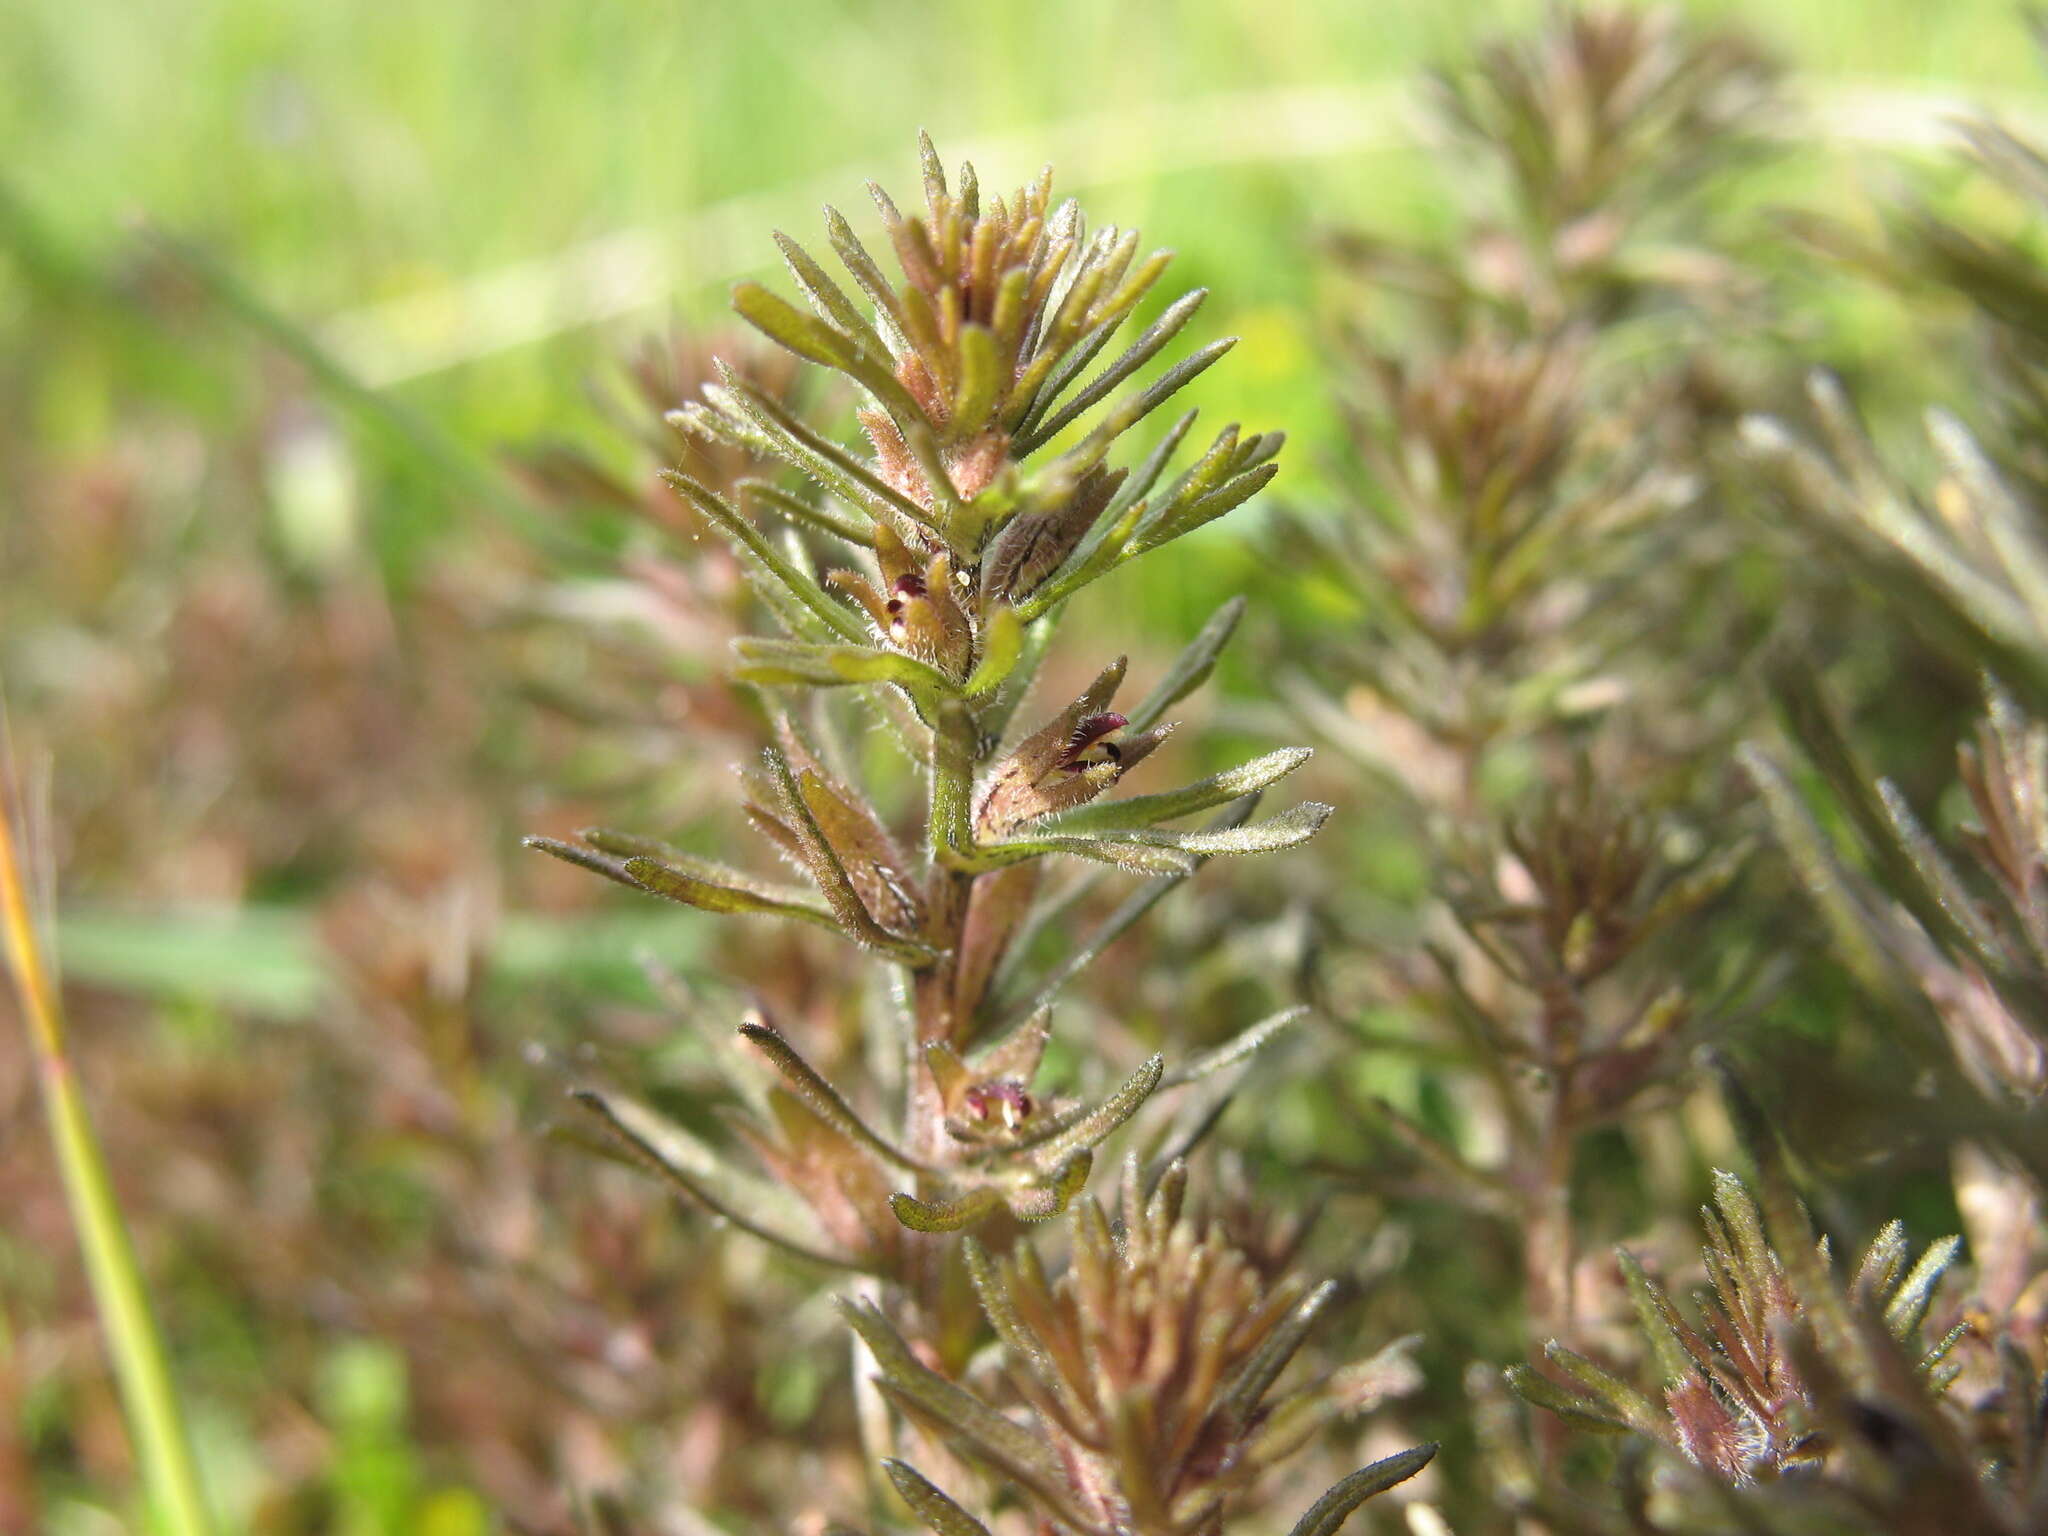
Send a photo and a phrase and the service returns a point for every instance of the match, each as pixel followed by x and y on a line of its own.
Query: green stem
pixel 154 1412
pixel 1549 1235
pixel 154 1417
pixel 948 837
pixel 951 833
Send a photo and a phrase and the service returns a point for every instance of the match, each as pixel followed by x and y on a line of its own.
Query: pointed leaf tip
pixel 930 1503
pixel 1335 1507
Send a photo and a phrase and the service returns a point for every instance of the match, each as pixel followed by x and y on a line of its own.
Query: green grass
pixel 333 158
pixel 330 158
pixel 339 155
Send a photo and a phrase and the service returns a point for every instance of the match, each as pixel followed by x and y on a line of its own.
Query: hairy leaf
pixel 939 1513
pixel 1335 1507
pixel 753 1205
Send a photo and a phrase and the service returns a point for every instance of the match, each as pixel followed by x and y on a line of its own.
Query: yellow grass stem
pixel 154 1417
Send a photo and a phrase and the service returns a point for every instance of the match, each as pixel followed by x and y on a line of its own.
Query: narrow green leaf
pixel 1784 1218
pixel 825 461
pixel 738 894
pixel 939 1403
pixel 1237 1048
pixel 790 328
pixel 1929 1363
pixel 1002 644
pixel 1292 826
pixel 1864 943
pixel 828 298
pixel 805 514
pixel 1043 384
pixel 1126 853
pixel 1117 924
pixel 1635 1409
pixel 939 1513
pixel 1140 352
pixel 753 1205
pixel 1695 888
pixel 1908 1306
pixel 631 845
pixel 2008 527
pixel 801 584
pixel 1814 721
pixel 970 1209
pixel 822 1099
pixel 974 397
pixel 1155 850
pixel 1246 1390
pixel 1019 1342
pixel 1137 407
pixel 1335 1507
pixel 1190 669
pixel 1884 1261
pixel 802 663
pixel 1534 1387
pixel 1211 470
pixel 933 172
pixel 1218 789
pixel 677 885
pixel 1652 1308
pixel 1891 526
pixel 1152 466
pixel 1936 879
pixel 1185 520
pixel 598 863
pixel 833 882
pixel 1093 1127
pixel 869 277
pixel 1046 1201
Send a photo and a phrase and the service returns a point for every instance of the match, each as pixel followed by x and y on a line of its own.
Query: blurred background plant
pixel 336 561
pixel 1556 597
pixel 1535 599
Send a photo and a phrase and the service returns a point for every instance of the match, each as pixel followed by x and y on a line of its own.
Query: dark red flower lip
pixel 1004 1096
pixel 906 587
pixel 1087 734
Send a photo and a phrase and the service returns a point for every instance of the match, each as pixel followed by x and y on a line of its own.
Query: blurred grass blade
pixel 427 440
pixel 155 1419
